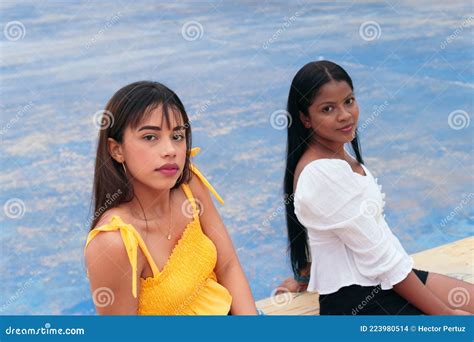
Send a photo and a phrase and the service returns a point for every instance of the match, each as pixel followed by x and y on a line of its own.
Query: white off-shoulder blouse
pixel 350 242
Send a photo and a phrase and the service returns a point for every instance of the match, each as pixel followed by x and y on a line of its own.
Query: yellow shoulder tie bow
pixel 193 168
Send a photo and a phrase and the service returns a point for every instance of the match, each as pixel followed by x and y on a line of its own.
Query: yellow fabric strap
pixel 131 240
pixel 190 197
pixel 198 173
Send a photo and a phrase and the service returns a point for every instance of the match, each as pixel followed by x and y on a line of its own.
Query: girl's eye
pixel 149 137
pixel 327 109
pixel 350 101
pixel 178 137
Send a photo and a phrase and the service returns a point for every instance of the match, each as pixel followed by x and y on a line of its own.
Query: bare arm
pixel 295 284
pixel 415 292
pixel 228 269
pixel 110 275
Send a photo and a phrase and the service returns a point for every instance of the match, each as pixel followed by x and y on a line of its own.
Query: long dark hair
pixel 304 89
pixel 128 107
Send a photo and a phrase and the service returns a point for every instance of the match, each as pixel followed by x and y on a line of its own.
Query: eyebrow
pixel 158 128
pixel 330 102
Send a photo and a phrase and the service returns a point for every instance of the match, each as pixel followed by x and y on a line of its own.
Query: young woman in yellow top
pixel 157 244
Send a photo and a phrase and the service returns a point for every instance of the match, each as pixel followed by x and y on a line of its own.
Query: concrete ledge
pixel 453 259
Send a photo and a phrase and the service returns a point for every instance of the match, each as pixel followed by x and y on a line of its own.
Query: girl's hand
pixel 291 285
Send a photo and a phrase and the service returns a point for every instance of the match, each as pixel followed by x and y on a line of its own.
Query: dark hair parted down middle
pixel 304 89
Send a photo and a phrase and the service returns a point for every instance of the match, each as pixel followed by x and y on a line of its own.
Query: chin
pixel 350 139
pixel 343 139
pixel 161 184
pixel 167 184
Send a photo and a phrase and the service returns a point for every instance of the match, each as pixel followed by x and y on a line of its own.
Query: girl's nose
pixel 344 114
pixel 168 149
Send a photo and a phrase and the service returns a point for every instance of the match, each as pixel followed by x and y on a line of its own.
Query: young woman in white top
pixel 334 210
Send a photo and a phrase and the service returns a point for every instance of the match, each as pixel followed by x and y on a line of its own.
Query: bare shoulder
pixel 198 188
pixel 301 165
pixel 108 214
pixel 107 246
pixel 110 271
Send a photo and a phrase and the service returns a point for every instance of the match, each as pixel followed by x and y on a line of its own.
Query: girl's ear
pixel 305 120
pixel 115 150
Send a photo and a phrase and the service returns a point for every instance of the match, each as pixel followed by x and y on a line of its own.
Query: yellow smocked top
pixel 187 284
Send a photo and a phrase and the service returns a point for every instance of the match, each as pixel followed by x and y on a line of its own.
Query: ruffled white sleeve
pixel 330 197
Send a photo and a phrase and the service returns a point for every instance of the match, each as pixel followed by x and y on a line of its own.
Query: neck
pixel 334 149
pixel 150 203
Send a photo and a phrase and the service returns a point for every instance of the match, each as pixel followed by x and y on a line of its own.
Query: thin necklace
pixel 146 221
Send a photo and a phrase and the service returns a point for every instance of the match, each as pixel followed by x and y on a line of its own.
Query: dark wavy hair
pixel 304 89
pixel 128 107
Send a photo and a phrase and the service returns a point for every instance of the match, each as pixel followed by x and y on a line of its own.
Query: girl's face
pixel 334 113
pixel 154 153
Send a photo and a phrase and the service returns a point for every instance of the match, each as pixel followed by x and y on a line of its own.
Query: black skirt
pixel 368 300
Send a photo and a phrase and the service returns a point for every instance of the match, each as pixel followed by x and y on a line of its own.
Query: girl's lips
pixel 168 171
pixel 346 129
